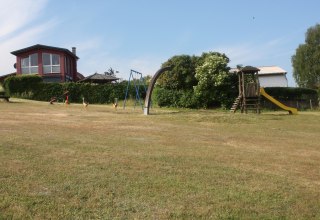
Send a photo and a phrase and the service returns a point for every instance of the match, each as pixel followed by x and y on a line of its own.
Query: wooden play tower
pixel 249 90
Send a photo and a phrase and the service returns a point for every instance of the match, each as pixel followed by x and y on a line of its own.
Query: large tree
pixel 197 81
pixel 182 76
pixel 306 61
pixel 214 81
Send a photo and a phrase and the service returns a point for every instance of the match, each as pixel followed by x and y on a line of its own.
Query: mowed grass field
pixel 68 162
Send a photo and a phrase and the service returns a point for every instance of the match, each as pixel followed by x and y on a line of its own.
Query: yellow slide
pixel 292 111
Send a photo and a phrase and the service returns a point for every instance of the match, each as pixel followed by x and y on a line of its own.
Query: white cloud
pixel 16 14
pixel 17 30
pixel 21 40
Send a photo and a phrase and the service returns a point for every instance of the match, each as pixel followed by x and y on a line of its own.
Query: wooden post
pixel 244 107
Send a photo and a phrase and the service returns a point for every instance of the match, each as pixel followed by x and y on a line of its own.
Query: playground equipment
pixel 292 111
pixel 64 97
pixel 153 81
pixel 137 79
pixel 248 98
pixel 250 92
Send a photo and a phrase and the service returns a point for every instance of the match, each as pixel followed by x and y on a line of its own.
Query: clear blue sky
pixel 142 34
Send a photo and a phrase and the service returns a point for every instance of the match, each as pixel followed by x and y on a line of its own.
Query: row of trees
pixel 32 87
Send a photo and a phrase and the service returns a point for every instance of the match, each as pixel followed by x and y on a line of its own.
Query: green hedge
pixel 300 98
pixel 32 87
pixel 21 84
pixel 175 98
pixel 291 93
pixel 187 98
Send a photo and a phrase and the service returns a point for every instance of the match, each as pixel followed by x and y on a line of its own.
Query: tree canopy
pixel 306 61
pixel 197 81
pixel 213 79
pixel 182 76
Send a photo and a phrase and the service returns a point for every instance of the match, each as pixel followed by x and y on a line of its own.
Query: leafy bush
pixel 167 98
pixel 197 82
pixel 290 93
pixel 188 99
pixel 300 98
pixel 45 91
pixel 22 84
pixel 174 98
pixel 32 87
pixel 2 91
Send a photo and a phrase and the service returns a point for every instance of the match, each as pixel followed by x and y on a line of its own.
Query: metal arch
pixel 150 88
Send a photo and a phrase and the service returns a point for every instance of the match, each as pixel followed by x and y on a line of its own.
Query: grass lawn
pixel 63 162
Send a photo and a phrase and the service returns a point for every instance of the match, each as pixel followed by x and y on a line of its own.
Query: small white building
pixel 272 76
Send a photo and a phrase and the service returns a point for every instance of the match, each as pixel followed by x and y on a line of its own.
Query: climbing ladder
pixel 235 104
pixel 251 104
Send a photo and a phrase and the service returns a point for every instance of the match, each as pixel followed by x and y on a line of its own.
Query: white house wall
pixel 273 81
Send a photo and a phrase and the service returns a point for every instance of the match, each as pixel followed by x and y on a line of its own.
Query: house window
pixel 30 64
pixel 51 63
pixel 67 67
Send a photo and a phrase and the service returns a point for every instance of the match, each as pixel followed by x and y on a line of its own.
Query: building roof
pixel 246 69
pixel 263 70
pixel 80 76
pixel 40 46
pixel 271 70
pixel 99 78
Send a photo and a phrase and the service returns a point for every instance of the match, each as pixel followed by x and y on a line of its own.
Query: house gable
pixel 272 76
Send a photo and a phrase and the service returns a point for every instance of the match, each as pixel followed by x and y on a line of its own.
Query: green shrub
pixel 2 91
pixel 174 98
pixel 291 93
pixel 98 94
pixel 45 91
pixel 188 99
pixel 167 98
pixel 32 87
pixel 301 98
pixel 22 84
